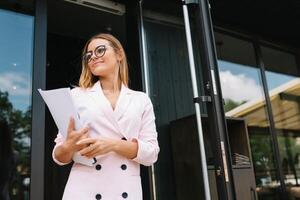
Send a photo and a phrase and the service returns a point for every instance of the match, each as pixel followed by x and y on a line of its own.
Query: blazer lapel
pixel 123 102
pixel 103 103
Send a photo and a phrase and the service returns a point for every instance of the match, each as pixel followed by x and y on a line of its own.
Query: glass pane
pixel 20 6
pixel 284 91
pixel 244 102
pixel 16 46
pixel 178 171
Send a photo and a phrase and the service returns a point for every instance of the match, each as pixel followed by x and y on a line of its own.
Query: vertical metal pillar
pixel 146 86
pixel 197 105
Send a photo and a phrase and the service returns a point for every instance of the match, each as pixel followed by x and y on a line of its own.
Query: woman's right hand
pixel 64 152
pixel 74 136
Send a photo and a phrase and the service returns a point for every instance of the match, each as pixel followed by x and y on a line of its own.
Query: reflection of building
pixel 257 56
pixel 285 106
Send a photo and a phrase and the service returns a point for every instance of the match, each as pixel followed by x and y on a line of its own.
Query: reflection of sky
pixel 237 69
pixel 276 79
pixel 16 45
pixel 241 82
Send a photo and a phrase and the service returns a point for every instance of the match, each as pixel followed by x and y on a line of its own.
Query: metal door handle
pixel 252 190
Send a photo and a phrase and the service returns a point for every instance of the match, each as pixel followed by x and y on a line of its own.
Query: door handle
pixel 202 99
pixel 219 171
pixel 252 190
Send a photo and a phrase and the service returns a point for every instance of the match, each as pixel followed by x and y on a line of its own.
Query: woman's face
pixel 104 62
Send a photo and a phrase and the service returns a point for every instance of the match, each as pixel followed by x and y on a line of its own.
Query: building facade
pixel 226 102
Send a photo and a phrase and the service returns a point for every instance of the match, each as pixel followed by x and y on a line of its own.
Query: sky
pixel 243 83
pixel 16 57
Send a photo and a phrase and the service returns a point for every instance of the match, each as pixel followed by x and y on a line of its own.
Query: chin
pixel 100 74
pixel 101 71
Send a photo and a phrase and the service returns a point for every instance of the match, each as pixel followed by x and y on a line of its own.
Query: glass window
pixel 16 50
pixel 20 6
pixel 243 94
pixel 284 91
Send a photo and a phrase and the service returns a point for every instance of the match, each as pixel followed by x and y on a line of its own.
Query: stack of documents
pixel 61 106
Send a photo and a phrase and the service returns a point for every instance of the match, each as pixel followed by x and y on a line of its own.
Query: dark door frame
pixel 221 148
pixel 38 106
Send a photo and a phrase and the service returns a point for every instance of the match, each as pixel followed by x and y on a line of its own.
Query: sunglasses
pixel 99 52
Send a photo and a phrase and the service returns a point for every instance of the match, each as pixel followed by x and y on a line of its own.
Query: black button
pixel 98 167
pixel 123 138
pixel 124 167
pixel 98 196
pixel 124 195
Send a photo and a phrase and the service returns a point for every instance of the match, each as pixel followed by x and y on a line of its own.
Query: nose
pixel 93 56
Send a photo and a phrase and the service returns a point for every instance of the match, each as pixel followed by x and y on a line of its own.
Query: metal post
pixel 146 85
pixel 144 52
pixel 274 139
pixel 197 105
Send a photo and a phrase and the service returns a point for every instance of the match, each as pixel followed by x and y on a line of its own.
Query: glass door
pixel 282 79
pixel 244 102
pixel 178 173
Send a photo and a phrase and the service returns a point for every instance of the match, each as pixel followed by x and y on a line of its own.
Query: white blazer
pixel 113 177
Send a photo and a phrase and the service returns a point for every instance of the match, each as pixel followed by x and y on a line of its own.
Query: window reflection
pixel 243 94
pixel 284 92
pixel 16 44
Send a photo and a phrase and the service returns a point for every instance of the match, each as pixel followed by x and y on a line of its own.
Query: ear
pixel 119 55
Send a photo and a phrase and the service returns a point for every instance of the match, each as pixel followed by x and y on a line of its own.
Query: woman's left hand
pixel 96 146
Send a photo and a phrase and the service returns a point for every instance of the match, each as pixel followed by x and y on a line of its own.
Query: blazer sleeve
pixel 148 147
pixel 58 141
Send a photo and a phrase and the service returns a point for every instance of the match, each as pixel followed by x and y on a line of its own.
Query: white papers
pixel 61 106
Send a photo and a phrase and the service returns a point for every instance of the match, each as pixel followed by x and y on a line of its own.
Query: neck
pixel 109 86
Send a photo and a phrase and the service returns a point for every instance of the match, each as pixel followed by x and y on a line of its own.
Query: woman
pixel 121 132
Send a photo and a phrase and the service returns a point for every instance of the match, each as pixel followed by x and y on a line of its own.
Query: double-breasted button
pixel 124 167
pixel 124 195
pixel 98 196
pixel 123 138
pixel 98 167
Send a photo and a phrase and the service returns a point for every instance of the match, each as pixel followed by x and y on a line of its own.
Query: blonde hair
pixel 87 79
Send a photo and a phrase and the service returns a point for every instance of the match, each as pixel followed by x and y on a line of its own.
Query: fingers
pixel 80 137
pixel 86 141
pixel 93 153
pixel 85 144
pixel 76 135
pixel 71 125
pixel 86 151
pixel 82 133
pixel 84 130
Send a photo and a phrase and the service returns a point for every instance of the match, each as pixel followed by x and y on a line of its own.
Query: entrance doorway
pixel 70 25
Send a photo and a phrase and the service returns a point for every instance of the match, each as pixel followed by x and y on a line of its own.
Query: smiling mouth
pixel 96 63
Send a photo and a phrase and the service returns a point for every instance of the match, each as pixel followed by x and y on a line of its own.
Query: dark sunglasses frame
pixel 87 57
